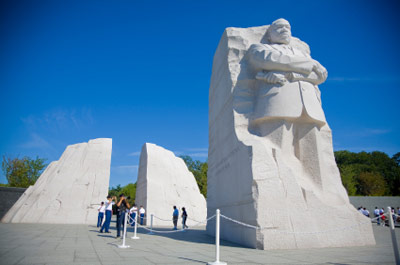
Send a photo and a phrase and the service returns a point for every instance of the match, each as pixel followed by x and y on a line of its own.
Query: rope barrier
pixel 166 220
pixel 179 230
pixel 292 232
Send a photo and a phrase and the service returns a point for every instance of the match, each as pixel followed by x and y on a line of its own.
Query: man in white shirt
pixel 376 213
pixel 101 209
pixel 142 211
pixel 133 213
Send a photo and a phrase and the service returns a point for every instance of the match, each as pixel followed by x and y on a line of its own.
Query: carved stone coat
pixel 289 100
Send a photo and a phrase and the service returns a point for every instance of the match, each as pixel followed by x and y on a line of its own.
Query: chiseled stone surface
pixel 164 181
pixel 70 189
pixel 271 161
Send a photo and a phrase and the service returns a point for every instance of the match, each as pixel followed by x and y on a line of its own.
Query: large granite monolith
pixel 271 161
pixel 70 189
pixel 164 181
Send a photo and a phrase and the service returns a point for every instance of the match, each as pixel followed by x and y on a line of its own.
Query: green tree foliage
pixel 199 170
pixel 373 174
pixel 129 191
pixel 115 191
pixel 22 172
pixel 371 184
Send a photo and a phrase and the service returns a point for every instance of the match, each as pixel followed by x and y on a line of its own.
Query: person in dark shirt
pixel 184 217
pixel 175 216
pixel 123 206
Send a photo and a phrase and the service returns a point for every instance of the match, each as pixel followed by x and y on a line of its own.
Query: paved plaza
pixel 82 244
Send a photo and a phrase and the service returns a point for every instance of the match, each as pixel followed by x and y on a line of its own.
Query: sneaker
pixel 101 231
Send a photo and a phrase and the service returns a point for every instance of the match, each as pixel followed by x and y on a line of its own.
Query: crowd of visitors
pixel 121 206
pixel 379 214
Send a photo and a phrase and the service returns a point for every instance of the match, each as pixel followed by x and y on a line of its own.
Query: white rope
pixel 240 223
pixel 291 232
pixel 166 220
pixel 179 230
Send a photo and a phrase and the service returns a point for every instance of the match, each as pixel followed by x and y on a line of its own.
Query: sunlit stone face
pixel 280 32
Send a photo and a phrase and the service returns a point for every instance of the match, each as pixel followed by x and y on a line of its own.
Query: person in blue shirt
pixel 175 216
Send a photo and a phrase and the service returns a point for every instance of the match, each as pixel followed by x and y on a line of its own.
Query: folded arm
pixel 270 60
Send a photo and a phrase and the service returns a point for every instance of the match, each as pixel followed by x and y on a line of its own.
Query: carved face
pixel 280 32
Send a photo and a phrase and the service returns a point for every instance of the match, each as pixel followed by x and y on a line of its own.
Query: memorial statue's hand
pixel 271 77
pixel 320 70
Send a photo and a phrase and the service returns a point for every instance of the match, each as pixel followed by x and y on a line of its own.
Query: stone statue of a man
pixel 288 76
pixel 271 160
pixel 287 108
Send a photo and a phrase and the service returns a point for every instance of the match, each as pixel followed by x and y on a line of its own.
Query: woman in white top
pixel 108 207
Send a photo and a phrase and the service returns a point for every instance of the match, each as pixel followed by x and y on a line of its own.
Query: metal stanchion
pixel 217 262
pixel 124 236
pixel 394 241
pixel 135 235
pixel 151 226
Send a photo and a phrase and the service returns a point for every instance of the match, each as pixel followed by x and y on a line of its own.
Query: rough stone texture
pixel 255 181
pixel 8 196
pixel 70 189
pixel 165 181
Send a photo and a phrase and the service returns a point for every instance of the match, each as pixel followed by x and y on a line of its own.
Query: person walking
pixel 122 205
pixel 184 217
pixel 101 209
pixel 108 206
pixel 175 216
pixel 142 211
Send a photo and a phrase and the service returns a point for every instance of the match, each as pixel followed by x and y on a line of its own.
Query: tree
pixel 115 191
pixel 348 173
pixel 199 170
pixel 371 184
pixel 359 168
pixel 129 191
pixel 22 172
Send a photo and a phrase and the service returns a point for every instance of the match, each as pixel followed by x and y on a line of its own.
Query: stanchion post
pixel 151 225
pixel 124 235
pixel 394 241
pixel 135 234
pixel 217 262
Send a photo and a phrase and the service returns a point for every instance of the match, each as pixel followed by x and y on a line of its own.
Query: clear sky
pixel 139 71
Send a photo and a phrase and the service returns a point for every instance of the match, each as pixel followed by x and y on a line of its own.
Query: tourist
pixel 108 206
pixel 133 212
pixel 122 205
pixel 142 211
pixel 393 216
pixel 376 214
pixel 398 214
pixel 184 217
pixel 365 212
pixel 175 216
pixel 382 216
pixel 101 209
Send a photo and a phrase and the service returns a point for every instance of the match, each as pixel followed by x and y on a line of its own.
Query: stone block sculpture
pixel 70 189
pixel 164 181
pixel 271 161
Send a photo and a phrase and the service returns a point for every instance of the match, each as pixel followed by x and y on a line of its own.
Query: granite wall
pixel 8 196
pixel 371 202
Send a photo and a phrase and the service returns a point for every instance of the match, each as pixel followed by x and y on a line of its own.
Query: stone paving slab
pixel 82 244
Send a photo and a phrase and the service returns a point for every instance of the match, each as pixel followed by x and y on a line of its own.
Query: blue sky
pixel 139 71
